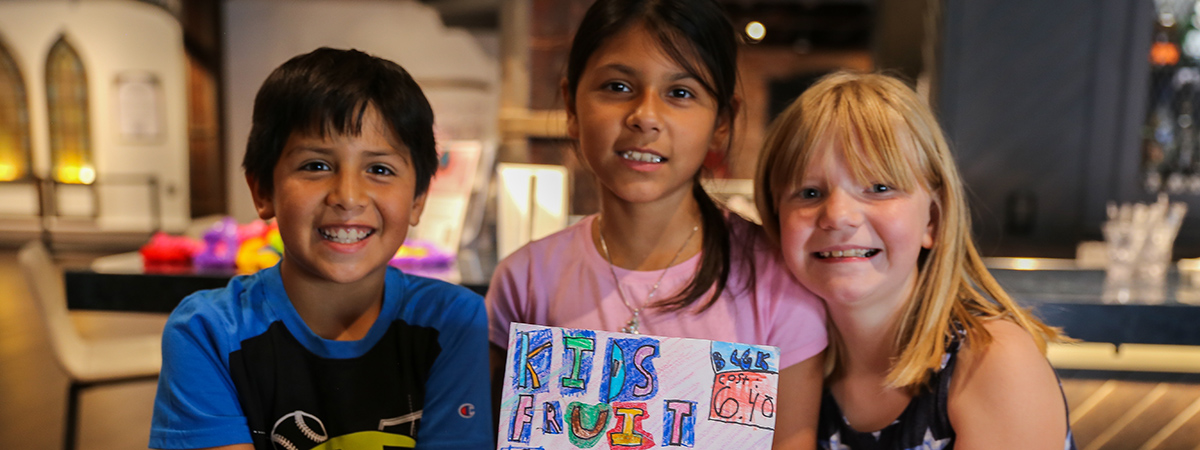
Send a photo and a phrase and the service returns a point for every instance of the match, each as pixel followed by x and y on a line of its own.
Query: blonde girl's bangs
pixel 877 141
pixel 783 159
pixel 872 134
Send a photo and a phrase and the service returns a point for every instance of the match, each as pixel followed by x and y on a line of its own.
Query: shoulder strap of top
pixel 940 382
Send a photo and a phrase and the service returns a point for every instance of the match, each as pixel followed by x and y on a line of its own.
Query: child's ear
pixel 569 105
pixel 724 127
pixel 418 206
pixel 262 203
pixel 935 213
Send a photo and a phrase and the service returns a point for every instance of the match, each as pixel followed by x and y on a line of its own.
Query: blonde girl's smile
pixel 847 254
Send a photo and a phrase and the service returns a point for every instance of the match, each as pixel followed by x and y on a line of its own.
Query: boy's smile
pixel 343 203
pixel 346 235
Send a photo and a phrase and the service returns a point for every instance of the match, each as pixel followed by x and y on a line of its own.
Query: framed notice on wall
pixel 139 107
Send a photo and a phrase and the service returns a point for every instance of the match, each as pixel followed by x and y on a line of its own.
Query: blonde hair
pixel 872 114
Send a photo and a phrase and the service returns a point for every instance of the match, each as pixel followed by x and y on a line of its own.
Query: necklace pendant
pixel 631 326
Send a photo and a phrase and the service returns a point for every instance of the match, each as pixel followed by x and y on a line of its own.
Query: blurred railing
pixel 48 209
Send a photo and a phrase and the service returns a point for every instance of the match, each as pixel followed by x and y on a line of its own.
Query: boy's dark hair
pixel 328 90
pixel 698 36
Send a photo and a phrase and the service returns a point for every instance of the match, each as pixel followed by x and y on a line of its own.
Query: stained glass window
pixel 14 120
pixel 67 102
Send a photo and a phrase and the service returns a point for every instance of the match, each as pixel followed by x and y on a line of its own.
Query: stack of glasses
pixel 1139 238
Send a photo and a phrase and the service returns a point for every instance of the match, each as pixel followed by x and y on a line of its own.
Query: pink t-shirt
pixel 562 280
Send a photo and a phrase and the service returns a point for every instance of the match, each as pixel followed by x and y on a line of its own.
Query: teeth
pixel 642 157
pixel 855 253
pixel 345 235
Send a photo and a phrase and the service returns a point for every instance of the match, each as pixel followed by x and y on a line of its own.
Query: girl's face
pixel 644 124
pixel 854 244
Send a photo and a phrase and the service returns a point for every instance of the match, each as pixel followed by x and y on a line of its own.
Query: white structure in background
pixel 461 81
pixel 133 55
pixel 531 204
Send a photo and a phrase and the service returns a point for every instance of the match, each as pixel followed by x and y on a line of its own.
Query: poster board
pixel 603 390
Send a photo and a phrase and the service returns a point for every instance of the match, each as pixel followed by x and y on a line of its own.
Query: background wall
pixel 111 38
pixel 1044 104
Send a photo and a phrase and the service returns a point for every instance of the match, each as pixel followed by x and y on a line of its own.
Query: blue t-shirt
pixel 241 366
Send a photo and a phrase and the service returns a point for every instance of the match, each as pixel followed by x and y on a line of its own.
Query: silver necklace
pixel 635 314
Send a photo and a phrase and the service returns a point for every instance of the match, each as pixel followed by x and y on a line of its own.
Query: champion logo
pixel 467 410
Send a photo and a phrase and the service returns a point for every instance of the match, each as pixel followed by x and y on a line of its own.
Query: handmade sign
pixel 568 388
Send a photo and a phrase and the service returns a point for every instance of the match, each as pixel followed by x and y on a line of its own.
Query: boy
pixel 331 348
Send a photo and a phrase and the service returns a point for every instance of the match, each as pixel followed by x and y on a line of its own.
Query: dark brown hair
pixel 329 90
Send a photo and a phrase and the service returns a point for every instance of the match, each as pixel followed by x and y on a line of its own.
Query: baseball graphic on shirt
pixel 298 430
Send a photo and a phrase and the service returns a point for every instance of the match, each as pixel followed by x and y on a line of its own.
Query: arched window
pixel 70 129
pixel 15 149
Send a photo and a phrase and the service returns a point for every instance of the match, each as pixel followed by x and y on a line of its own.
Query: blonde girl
pixel 858 186
pixel 649 93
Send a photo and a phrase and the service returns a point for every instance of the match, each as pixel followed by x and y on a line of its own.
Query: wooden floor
pixel 1106 414
pixel 1109 414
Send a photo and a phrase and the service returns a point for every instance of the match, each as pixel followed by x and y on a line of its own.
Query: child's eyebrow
pixel 629 71
pixel 684 76
pixel 382 153
pixel 308 149
pixel 624 69
pixel 369 153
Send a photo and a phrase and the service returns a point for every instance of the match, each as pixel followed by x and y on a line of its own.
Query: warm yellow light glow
pixel 76 174
pixel 1025 263
pixel 11 166
pixel 756 30
pixel 67 175
pixel 87 175
pixel 8 172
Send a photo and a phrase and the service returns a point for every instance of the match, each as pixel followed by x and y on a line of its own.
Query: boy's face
pixel 343 203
